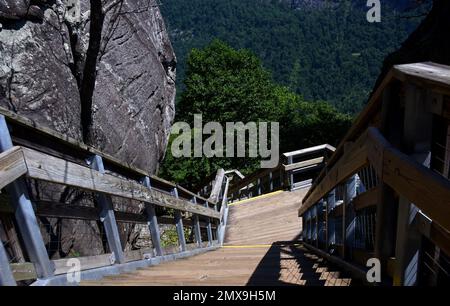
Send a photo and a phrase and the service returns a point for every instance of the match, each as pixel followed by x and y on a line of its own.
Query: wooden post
pixel 179 225
pixel 196 225
pixel 331 203
pixel 107 215
pixel 316 223
pixel 209 230
pixel 350 216
pixel 25 216
pixel 387 203
pixel 270 182
pixel 152 222
pixel 417 143
pixel 6 276
pixel 291 175
pixel 325 242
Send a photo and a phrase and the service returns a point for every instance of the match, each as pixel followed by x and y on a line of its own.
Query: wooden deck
pixel 260 249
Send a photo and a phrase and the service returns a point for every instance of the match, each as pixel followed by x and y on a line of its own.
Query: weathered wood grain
pixel 48 168
pixel 12 166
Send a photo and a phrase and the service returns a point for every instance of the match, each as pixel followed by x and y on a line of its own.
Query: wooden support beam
pixel 417 143
pixel 24 214
pixel 152 222
pixel 366 199
pixel 107 216
pixel 349 218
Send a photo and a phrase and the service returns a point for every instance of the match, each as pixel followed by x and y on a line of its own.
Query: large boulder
pixel 41 65
pixel 35 78
pixel 133 101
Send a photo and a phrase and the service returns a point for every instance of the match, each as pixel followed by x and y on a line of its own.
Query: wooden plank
pixel 23 271
pixel 303 164
pixel 310 150
pixel 426 189
pixel 427 74
pixel 366 199
pixel 12 166
pixel 135 255
pixel 52 169
pixel 62 266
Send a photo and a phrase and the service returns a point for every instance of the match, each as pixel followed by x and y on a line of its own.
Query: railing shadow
pixel 288 263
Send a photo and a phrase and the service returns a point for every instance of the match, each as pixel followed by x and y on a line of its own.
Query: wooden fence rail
pixel 52 158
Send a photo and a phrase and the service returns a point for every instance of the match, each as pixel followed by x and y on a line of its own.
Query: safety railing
pixel 381 195
pixel 57 192
pixel 296 170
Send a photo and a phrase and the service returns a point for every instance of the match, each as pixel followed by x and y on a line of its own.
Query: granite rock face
pixel 35 79
pixel 42 64
pixel 133 101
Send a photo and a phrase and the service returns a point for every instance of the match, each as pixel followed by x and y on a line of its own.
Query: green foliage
pixel 331 54
pixel 228 85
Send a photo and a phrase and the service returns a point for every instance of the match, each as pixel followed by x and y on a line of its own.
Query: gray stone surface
pixel 133 101
pixel 35 80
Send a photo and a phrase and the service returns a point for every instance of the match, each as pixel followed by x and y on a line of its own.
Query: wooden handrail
pixel 429 74
pixel 426 189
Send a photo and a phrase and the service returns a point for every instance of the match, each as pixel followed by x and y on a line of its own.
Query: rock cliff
pixel 99 71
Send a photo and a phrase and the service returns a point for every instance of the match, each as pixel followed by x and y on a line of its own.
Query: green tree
pixel 228 85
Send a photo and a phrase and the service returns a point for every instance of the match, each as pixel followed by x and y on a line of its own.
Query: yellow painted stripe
pixel 255 198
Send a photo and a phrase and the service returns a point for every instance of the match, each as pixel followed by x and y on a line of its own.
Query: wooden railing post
pixel 417 143
pixel 291 174
pixel 196 225
pixel 6 276
pixel 331 232
pixel 179 225
pixel 107 215
pixel 152 222
pixel 270 182
pixel 209 229
pixel 350 216
pixel 25 216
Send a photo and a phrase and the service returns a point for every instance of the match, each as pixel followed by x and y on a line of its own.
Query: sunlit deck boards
pixel 259 249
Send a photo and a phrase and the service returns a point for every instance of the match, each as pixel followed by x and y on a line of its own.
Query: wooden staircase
pixel 261 248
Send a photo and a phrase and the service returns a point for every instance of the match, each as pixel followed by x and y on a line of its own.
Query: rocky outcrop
pixel 101 72
pixel 133 100
pixel 105 78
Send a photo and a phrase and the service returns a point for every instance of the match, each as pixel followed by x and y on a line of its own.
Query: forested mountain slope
pixel 323 52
